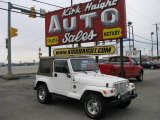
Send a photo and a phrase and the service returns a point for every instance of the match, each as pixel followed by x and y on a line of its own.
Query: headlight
pixel 127 82
pixel 114 86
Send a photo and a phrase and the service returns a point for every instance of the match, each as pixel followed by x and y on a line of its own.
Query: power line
pixel 48 3
pixel 142 42
pixel 23 7
pixel 140 14
pixel 140 37
pixel 20 6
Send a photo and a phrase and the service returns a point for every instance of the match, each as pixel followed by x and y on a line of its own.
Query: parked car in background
pixel 3 65
pixel 132 69
pixel 150 64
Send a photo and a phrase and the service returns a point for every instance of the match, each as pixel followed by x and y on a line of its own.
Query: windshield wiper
pixel 85 71
pixel 92 70
pixel 81 71
pixel 95 71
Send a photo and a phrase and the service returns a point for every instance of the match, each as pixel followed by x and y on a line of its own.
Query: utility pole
pixel 157 39
pixel 9 39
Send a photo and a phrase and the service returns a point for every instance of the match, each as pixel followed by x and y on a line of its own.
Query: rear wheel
pixel 43 94
pixel 140 77
pixel 94 106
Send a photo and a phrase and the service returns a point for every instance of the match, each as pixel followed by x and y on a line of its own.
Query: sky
pixel 31 31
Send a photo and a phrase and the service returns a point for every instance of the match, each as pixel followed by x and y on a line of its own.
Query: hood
pixel 97 79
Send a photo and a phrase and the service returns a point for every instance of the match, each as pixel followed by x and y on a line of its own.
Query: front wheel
pixel 140 77
pixel 43 94
pixel 94 106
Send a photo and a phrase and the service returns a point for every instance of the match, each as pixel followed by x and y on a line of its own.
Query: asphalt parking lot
pixel 18 102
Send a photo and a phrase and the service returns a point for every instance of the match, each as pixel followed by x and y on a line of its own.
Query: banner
pixel 93 21
pixel 99 50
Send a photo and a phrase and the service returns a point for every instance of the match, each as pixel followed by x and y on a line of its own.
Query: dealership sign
pixel 93 21
pixel 99 50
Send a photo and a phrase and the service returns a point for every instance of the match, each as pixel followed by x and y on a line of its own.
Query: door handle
pixel 55 75
pixel 68 75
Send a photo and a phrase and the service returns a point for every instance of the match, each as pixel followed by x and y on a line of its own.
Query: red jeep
pixel 131 67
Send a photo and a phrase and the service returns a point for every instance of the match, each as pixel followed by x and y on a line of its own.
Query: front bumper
pixel 122 98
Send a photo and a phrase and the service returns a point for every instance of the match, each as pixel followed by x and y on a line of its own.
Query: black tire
pixel 94 106
pixel 43 94
pixel 140 77
pixel 152 67
pixel 124 105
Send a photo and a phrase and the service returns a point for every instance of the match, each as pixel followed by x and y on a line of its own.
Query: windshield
pixel 84 65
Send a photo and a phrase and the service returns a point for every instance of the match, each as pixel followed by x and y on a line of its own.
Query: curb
pixel 15 76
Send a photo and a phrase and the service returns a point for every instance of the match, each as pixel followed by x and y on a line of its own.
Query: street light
pixel 152 43
pixel 132 36
pixel 129 24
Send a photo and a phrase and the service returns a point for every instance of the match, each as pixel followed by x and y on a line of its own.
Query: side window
pixel 126 60
pixel 61 66
pixel 44 67
pixel 134 61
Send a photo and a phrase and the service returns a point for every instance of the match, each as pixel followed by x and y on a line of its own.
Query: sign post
pixel 121 59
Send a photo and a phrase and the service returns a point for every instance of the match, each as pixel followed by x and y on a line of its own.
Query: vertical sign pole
pixel 71 6
pixel 9 39
pixel 49 50
pixel 140 53
pixel 96 43
pixel 97 58
pixel 133 37
pixel 129 39
pixel 71 2
pixel 152 44
pixel 121 59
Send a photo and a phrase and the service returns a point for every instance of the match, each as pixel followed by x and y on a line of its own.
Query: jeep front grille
pixel 121 87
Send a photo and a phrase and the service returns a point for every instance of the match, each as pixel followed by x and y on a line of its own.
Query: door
pixel 61 77
pixel 135 67
pixel 127 67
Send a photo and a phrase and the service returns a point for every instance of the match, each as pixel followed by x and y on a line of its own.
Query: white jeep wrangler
pixel 79 78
